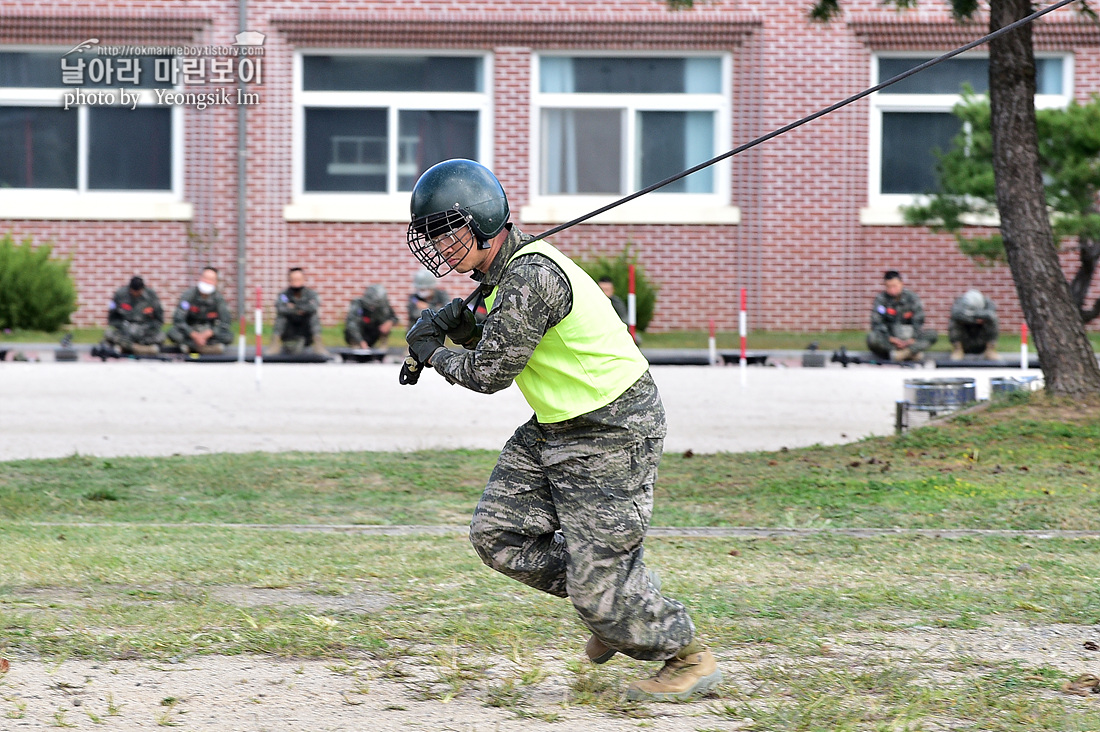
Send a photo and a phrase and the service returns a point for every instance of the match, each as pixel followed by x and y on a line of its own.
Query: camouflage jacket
pixel 417 305
pixel 143 310
pixel 302 306
pixel 199 312
pixel 893 316
pixel 373 307
pixel 534 295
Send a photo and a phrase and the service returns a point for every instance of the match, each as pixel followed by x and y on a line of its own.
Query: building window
pixel 911 120
pixel 103 146
pixel 610 125
pixel 374 123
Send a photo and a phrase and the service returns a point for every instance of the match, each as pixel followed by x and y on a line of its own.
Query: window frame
pixel 392 205
pixel 657 207
pixel 884 209
pixel 82 203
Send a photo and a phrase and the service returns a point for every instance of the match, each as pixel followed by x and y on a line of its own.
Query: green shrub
pixel 36 292
pixel 645 292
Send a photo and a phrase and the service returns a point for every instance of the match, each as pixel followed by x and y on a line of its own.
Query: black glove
pixel 424 338
pixel 457 321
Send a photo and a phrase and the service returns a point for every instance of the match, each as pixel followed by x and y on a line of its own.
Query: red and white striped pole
pixel 631 304
pixel 259 335
pixel 242 338
pixel 1023 346
pixel 743 327
pixel 712 344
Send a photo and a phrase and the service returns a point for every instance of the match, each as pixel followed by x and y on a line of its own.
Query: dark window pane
pixel 909 142
pixel 670 142
pixel 30 69
pixel 346 150
pixel 37 148
pixel 582 151
pixel 129 149
pixel 628 75
pixel 946 77
pixel 428 137
pixel 378 73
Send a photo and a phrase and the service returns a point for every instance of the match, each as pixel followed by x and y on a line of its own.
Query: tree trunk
pixel 1069 365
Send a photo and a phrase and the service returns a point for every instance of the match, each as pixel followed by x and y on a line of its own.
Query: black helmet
pixel 448 197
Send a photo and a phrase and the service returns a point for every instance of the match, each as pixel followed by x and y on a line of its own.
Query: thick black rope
pixel 411 368
pixel 809 118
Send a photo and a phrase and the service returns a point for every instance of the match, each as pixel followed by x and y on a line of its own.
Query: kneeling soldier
pixel 135 320
pixel 201 321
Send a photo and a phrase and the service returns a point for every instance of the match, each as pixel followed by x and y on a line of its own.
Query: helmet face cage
pixel 439 239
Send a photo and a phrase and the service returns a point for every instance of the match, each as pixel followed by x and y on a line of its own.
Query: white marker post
pixel 241 337
pixel 713 345
pixel 1023 346
pixel 259 335
pixel 743 327
pixel 631 304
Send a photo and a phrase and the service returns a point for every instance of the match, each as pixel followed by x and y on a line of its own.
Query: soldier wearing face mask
pixel 201 321
pixel 426 295
pixel 297 316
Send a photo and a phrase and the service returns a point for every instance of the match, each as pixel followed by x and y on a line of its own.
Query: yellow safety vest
pixel 584 362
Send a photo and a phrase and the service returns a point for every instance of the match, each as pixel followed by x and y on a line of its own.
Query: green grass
pixel 820 632
pixel 997 468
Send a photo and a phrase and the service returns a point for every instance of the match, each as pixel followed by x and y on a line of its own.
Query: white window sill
pixel 892 216
pixel 364 207
pixel 643 210
pixel 92 207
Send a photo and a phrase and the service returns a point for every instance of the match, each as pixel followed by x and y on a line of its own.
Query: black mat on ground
pixel 697 357
pixel 292 358
pixel 845 357
pixel 944 362
pixel 212 358
pixel 360 355
pixel 751 359
pixel 103 353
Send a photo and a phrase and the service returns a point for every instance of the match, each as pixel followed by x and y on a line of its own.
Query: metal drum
pixel 1003 385
pixel 940 395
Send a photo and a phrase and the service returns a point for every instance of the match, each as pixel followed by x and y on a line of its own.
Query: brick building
pixel 572 103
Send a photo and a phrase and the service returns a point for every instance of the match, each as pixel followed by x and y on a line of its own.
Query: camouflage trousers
pixel 973 337
pixel 881 346
pixel 131 333
pixel 566 511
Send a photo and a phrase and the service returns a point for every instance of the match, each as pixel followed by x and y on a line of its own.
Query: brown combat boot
pixel 901 354
pixel 140 349
pixel 990 353
pixel 957 352
pixel 598 651
pixel 691 672
pixel 211 349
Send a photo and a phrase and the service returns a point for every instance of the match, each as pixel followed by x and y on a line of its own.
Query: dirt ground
pixel 255 694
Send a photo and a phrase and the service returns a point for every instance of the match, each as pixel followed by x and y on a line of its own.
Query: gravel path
pixel 154 408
